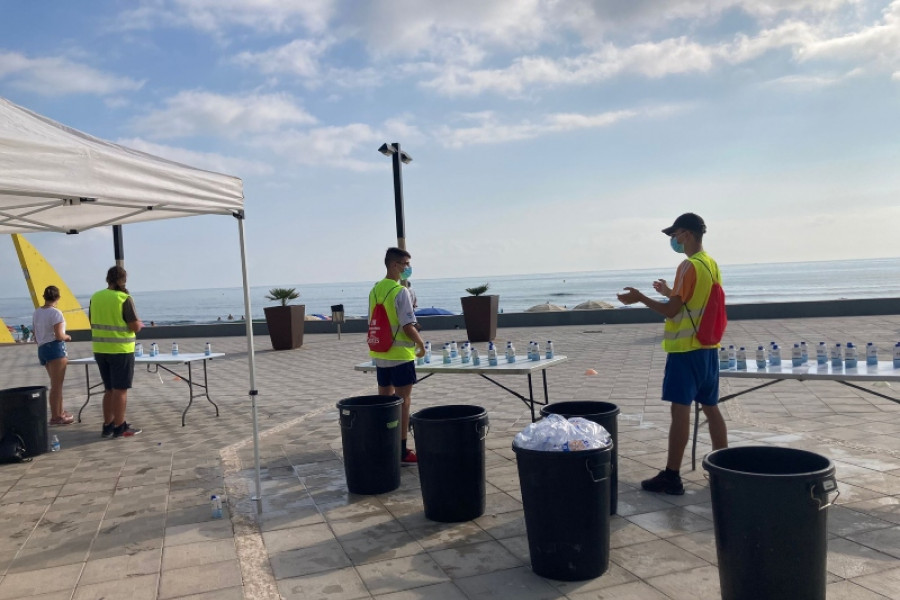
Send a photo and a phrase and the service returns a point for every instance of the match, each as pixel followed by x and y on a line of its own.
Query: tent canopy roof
pixel 55 178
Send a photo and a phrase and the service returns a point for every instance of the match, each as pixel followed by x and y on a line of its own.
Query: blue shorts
pixel 116 370
pixel 51 351
pixel 692 377
pixel 399 376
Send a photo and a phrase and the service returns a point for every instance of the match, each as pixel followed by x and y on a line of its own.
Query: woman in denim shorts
pixel 49 327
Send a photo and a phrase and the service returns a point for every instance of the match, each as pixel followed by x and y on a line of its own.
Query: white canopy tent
pixel 56 179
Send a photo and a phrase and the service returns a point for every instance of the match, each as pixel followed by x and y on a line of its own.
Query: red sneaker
pixel 409 458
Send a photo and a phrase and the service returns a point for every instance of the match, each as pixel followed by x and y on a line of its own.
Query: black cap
pixel 688 221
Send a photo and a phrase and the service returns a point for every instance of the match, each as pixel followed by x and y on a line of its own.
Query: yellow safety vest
pixel 403 347
pixel 679 334
pixel 109 331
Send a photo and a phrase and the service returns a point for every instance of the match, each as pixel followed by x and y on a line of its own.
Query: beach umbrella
pixel 428 312
pixel 546 307
pixel 593 305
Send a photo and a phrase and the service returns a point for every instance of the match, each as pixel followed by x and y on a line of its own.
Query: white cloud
pixel 201 160
pixel 299 57
pixel 334 146
pixel 191 113
pixel 58 76
pixel 489 130
pixel 216 16
pixel 877 44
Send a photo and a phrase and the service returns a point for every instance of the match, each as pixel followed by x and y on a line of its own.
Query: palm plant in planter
pixel 285 322
pixel 480 313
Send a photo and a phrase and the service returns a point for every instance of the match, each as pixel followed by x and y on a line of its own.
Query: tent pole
pixel 251 358
pixel 118 246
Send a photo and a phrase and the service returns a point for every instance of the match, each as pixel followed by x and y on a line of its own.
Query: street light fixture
pixel 398 156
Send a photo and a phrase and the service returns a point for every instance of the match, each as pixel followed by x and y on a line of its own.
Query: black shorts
pixel 399 376
pixel 116 370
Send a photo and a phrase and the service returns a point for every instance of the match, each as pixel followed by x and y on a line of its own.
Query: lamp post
pixel 398 156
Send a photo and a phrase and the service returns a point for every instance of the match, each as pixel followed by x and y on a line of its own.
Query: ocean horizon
pixel 744 284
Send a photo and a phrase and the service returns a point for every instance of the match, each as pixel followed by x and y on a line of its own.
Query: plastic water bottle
pixel 732 357
pixel 54 443
pixel 492 354
pixel 510 352
pixel 466 352
pixel 760 357
pixel 215 505
pixel 174 348
pixel 550 352
pixel 427 353
pixel 154 349
pixel 775 356
pixel 476 359
pixel 454 349
pixel 796 356
pixel 446 352
pixel 208 350
pixel 742 359
pixel 723 357
pixel 837 356
pixel 536 354
pixel 821 354
pixel 138 349
pixel 871 354
pixel 897 356
pixel 850 356
pixel 804 351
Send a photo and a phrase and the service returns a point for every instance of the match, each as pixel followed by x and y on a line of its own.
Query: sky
pixel 546 135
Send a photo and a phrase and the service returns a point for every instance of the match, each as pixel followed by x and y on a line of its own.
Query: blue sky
pixel 547 135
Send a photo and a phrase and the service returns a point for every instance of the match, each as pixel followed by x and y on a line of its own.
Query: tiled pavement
pixel 130 518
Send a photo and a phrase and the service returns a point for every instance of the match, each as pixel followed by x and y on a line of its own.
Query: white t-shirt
pixel 43 321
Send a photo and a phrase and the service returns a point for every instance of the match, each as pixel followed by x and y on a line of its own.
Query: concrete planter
pixel 285 324
pixel 480 314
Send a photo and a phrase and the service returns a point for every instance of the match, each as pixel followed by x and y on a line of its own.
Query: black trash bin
pixel 370 436
pixel 565 496
pixel 23 411
pixel 770 521
pixel 605 414
pixel 450 448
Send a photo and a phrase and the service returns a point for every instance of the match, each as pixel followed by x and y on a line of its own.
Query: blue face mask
pixel 407 273
pixel 676 246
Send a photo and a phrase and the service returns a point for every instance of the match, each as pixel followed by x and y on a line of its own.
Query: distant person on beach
pixel 396 367
pixel 114 325
pixel 49 327
pixel 25 333
pixel 692 369
pixel 231 317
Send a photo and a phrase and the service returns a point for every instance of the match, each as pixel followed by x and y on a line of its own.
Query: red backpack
pixel 381 337
pixel 715 318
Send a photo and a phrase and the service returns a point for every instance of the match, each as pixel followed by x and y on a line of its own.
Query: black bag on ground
pixel 12 449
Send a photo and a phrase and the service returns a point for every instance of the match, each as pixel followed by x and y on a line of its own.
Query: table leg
pixel 87 379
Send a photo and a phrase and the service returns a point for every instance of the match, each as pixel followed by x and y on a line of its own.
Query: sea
pixel 744 284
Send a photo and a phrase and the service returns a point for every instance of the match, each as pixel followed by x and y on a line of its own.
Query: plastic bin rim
pixel 388 402
pixel 417 416
pixel 549 408
pixel 720 470
pixel 21 390
pixel 527 451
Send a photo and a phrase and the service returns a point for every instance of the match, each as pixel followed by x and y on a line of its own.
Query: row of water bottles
pixel 469 354
pixel 154 349
pixel 838 356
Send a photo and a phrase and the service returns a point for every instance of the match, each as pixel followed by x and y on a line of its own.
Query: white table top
pixel 522 366
pixel 159 359
pixel 885 371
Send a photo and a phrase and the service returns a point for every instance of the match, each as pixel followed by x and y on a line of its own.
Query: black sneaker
pixel 666 481
pixel 108 430
pixel 126 430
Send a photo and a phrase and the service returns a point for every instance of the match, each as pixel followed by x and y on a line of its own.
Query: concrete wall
pixel 736 312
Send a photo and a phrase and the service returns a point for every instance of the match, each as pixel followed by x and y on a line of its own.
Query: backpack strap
pixel 712 277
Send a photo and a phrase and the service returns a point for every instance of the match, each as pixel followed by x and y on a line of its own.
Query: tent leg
pixel 251 358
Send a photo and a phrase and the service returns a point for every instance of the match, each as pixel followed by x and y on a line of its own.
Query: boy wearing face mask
pixel 396 368
pixel 692 370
